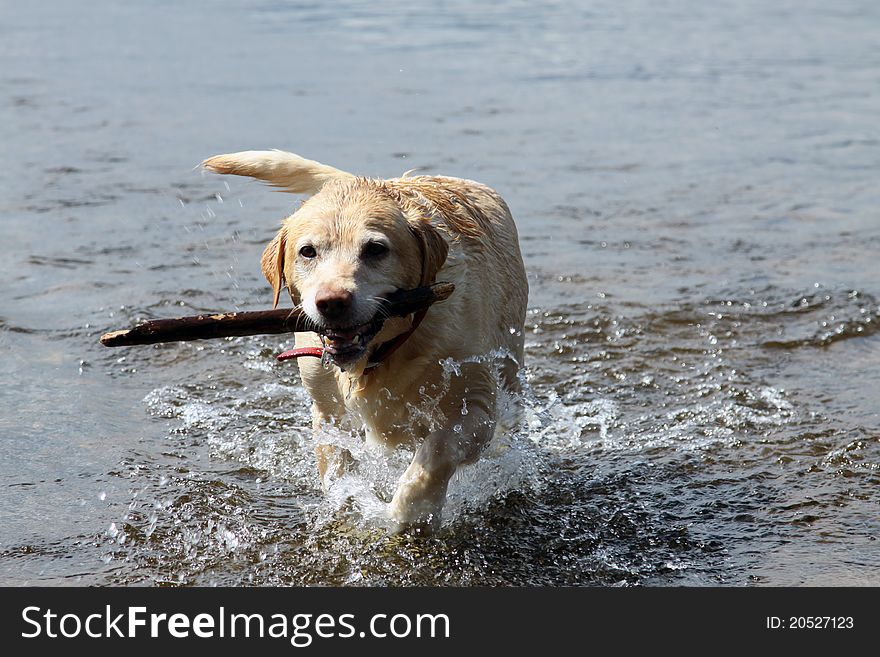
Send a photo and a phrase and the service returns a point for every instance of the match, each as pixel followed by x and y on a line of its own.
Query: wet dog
pixel 430 380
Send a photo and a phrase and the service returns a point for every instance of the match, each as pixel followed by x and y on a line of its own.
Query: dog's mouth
pixel 346 345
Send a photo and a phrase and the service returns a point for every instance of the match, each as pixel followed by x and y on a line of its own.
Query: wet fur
pixel 438 228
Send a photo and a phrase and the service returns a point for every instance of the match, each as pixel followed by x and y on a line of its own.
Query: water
pixel 696 191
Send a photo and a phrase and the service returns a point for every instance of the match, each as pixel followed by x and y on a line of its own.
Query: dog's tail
pixel 290 172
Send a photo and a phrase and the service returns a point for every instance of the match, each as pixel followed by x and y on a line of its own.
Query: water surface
pixel 696 191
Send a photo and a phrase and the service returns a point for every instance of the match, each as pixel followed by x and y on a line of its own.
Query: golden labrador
pixel 429 381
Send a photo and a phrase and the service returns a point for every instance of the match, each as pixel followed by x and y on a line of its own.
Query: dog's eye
pixel 308 251
pixel 375 250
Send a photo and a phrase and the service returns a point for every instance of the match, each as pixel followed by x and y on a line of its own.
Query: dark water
pixel 696 186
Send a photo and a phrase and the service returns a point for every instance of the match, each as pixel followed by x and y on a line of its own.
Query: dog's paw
pixel 414 529
pixel 418 502
pixel 333 464
pixel 422 523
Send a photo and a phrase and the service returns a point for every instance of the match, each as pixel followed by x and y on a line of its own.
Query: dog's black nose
pixel 333 304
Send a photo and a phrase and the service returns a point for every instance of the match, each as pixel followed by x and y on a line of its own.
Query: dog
pixel 430 381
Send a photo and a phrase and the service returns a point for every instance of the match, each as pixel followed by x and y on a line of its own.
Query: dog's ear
pixel 433 247
pixel 272 263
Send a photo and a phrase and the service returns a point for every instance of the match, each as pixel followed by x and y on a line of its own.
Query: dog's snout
pixel 333 304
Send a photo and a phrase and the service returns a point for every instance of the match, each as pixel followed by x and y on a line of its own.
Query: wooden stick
pixel 261 322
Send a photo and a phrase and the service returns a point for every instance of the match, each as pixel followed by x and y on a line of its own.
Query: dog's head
pixel 343 251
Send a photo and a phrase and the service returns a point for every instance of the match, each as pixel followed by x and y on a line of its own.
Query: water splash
pixel 569 478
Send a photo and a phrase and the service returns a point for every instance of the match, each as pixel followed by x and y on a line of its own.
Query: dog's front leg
pixel 469 426
pixel 327 411
pixel 332 461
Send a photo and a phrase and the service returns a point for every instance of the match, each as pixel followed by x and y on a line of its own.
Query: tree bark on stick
pixel 261 322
